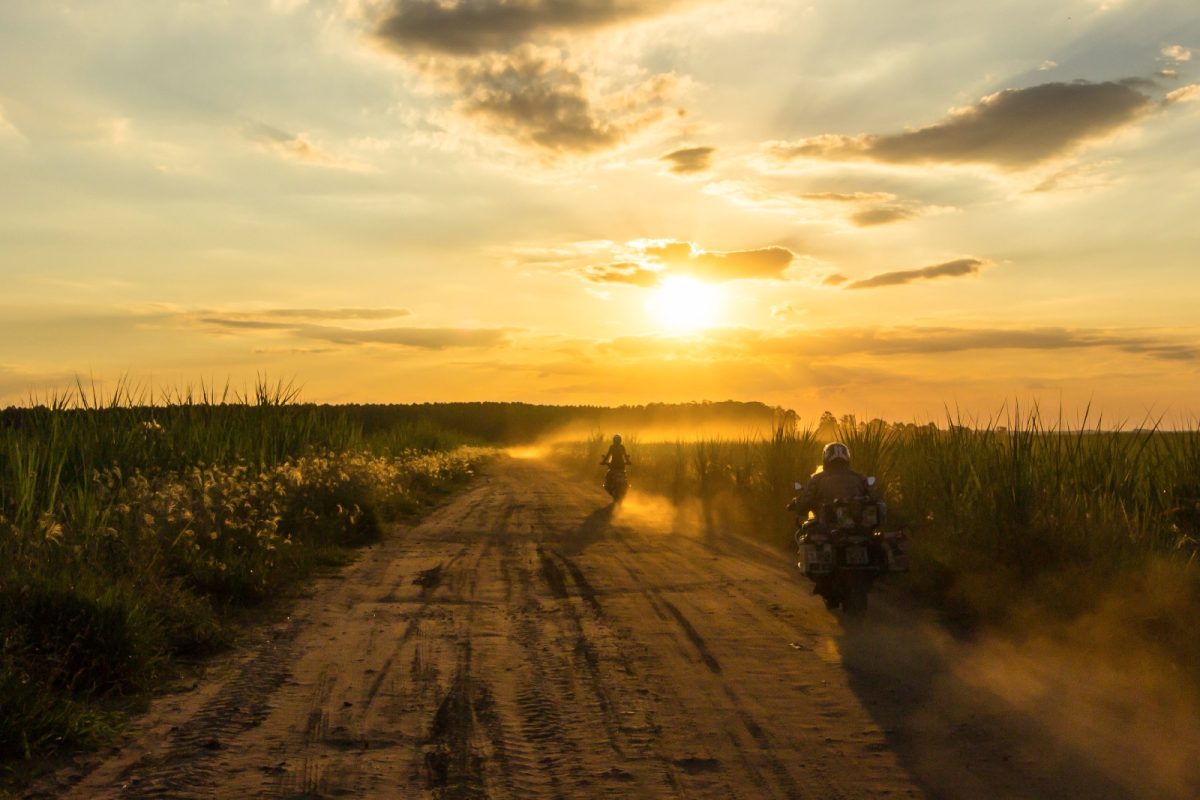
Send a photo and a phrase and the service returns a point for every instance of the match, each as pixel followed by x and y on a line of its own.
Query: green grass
pixel 132 535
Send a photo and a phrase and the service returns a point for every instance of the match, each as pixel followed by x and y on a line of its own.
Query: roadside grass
pixel 132 536
pixel 1019 521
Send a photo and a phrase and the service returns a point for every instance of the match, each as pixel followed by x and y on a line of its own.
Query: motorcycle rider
pixel 616 459
pixel 832 482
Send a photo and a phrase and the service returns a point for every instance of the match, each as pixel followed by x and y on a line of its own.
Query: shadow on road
pixel 947 707
pixel 591 530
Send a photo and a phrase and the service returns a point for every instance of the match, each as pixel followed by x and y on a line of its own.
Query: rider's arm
pixel 805 501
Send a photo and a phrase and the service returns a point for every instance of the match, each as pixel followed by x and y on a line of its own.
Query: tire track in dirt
pixel 748 724
pixel 410 630
pixel 185 769
pixel 321 763
pixel 513 645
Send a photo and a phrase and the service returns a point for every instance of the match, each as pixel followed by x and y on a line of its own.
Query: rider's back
pixel 617 458
pixel 835 482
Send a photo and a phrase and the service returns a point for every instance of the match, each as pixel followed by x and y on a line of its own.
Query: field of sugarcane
pixel 134 535
pixel 1011 518
pixel 137 532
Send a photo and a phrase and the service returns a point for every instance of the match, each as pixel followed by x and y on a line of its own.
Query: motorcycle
pixel 616 483
pixel 844 551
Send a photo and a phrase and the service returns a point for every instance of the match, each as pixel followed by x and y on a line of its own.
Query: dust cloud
pixel 1088 707
pixel 1084 709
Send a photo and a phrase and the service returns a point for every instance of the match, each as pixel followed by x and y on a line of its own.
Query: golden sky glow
pixel 822 205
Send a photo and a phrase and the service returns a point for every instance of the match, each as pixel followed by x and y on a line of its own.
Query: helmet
pixel 835 451
pixel 616 438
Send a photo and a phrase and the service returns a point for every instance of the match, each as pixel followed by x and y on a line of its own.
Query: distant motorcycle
pixel 616 483
pixel 845 548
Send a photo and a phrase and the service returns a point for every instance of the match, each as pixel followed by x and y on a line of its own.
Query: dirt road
pixel 525 642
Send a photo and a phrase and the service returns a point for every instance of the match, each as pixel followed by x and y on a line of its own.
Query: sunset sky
pixel 878 208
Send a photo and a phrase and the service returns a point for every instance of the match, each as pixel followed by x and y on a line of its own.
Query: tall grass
pixel 131 533
pixel 1017 512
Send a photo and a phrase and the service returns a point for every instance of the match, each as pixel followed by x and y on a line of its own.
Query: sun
pixel 684 304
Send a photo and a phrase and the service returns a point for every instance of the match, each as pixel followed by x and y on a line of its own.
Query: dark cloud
pixel 950 269
pixel 835 343
pixel 1011 129
pixel 247 324
pixel 487 53
pixel 540 100
pixel 422 338
pixel 684 258
pixel 656 261
pixel 291 323
pixel 834 280
pixel 948 340
pixel 316 313
pixel 689 160
pixel 471 27
pixel 768 262
pixel 882 215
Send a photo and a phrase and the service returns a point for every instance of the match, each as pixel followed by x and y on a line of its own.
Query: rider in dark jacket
pixel 834 481
pixel 616 459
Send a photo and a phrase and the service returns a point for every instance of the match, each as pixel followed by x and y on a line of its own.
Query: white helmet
pixel 835 451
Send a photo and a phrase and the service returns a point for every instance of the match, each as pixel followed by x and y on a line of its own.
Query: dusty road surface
pixel 525 641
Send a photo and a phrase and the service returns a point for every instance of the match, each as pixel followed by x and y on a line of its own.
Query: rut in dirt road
pixel 526 641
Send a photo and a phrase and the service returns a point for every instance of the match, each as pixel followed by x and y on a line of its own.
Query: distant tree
pixel 827 427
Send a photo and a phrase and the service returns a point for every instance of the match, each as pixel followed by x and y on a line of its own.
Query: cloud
pixel 750 194
pixel 689 160
pixel 1184 94
pixel 297 147
pixel 1080 176
pixel 422 338
pixel 540 100
pixel 7 129
pixel 1047 65
pixel 862 209
pixel 472 27
pixel 932 341
pixel 296 322
pixel 950 269
pixel 1177 52
pixel 882 215
pixel 247 324
pixel 317 313
pixel 837 343
pixel 492 55
pixel 648 262
pixel 683 258
pixel 1011 129
pixel 847 197
pixel 632 274
pixel 836 279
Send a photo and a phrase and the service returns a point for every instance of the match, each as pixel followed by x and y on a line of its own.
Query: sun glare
pixel 684 304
